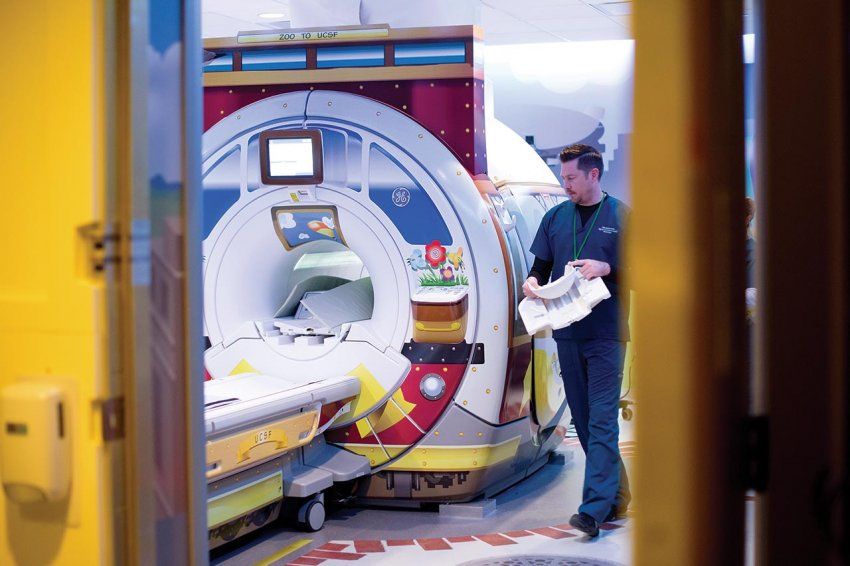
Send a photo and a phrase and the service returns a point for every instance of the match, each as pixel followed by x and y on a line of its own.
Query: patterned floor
pixel 529 527
pixel 546 543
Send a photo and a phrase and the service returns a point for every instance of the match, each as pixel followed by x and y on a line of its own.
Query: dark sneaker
pixel 585 523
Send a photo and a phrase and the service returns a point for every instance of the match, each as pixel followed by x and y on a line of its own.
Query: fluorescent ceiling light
pixel 271 15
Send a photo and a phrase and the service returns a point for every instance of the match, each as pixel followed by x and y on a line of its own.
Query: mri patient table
pixel 265 451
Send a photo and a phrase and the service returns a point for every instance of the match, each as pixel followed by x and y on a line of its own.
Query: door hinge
pixel 112 418
pixel 99 246
pixel 757 452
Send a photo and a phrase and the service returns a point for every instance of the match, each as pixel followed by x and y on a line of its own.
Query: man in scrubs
pixel 586 232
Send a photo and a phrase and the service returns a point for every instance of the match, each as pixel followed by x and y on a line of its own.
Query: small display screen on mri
pixel 291 157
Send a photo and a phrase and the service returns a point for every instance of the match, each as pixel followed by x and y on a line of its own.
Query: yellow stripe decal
pixel 229 506
pixel 443 458
pixel 284 551
pixel 371 391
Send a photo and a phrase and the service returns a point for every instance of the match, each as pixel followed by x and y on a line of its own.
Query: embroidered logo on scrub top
pixel 608 229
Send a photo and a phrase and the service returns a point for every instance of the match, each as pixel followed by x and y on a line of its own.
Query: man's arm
pixel 541 270
pixel 539 275
pixel 543 258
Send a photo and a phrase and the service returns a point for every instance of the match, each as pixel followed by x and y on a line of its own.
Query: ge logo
pixel 401 197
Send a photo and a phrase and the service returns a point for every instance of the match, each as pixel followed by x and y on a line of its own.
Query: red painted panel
pixel 519 358
pixel 424 414
pixel 452 110
pixel 328 411
pixel 427 412
pixel 403 433
pixel 347 434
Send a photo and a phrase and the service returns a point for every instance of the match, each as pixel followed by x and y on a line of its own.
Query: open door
pixel 802 371
pixel 97 401
pixel 54 292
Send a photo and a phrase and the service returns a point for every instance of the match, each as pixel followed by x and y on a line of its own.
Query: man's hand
pixel 591 268
pixel 529 286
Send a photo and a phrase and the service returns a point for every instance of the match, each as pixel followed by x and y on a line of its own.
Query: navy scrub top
pixel 554 242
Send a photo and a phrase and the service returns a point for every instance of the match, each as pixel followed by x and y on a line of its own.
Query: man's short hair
pixel 588 157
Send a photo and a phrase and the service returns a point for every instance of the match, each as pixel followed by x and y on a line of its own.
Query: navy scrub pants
pixel 592 371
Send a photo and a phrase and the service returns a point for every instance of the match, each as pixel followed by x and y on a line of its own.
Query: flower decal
pixel 437 266
pixel 435 253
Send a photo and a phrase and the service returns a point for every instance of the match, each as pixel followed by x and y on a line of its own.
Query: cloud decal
pixel 286 220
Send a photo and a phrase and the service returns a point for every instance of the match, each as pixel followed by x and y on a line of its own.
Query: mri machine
pixel 360 292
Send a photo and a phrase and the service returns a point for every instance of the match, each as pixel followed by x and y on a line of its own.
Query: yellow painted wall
pixel 51 316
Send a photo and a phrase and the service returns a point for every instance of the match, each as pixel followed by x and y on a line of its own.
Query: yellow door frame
pixel 687 253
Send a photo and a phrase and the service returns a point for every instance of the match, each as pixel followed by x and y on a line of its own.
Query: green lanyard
pixel 576 250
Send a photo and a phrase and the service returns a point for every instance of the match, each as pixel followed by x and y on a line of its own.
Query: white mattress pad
pixel 237 402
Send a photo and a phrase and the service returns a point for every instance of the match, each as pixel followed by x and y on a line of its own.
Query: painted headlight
pixel 432 386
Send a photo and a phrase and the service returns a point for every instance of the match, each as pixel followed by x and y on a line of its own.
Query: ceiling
pixel 504 21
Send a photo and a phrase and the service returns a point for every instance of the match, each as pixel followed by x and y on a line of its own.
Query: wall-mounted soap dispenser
pixel 34 442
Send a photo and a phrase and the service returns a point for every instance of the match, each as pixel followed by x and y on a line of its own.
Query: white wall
pixel 561 92
pixel 396 13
